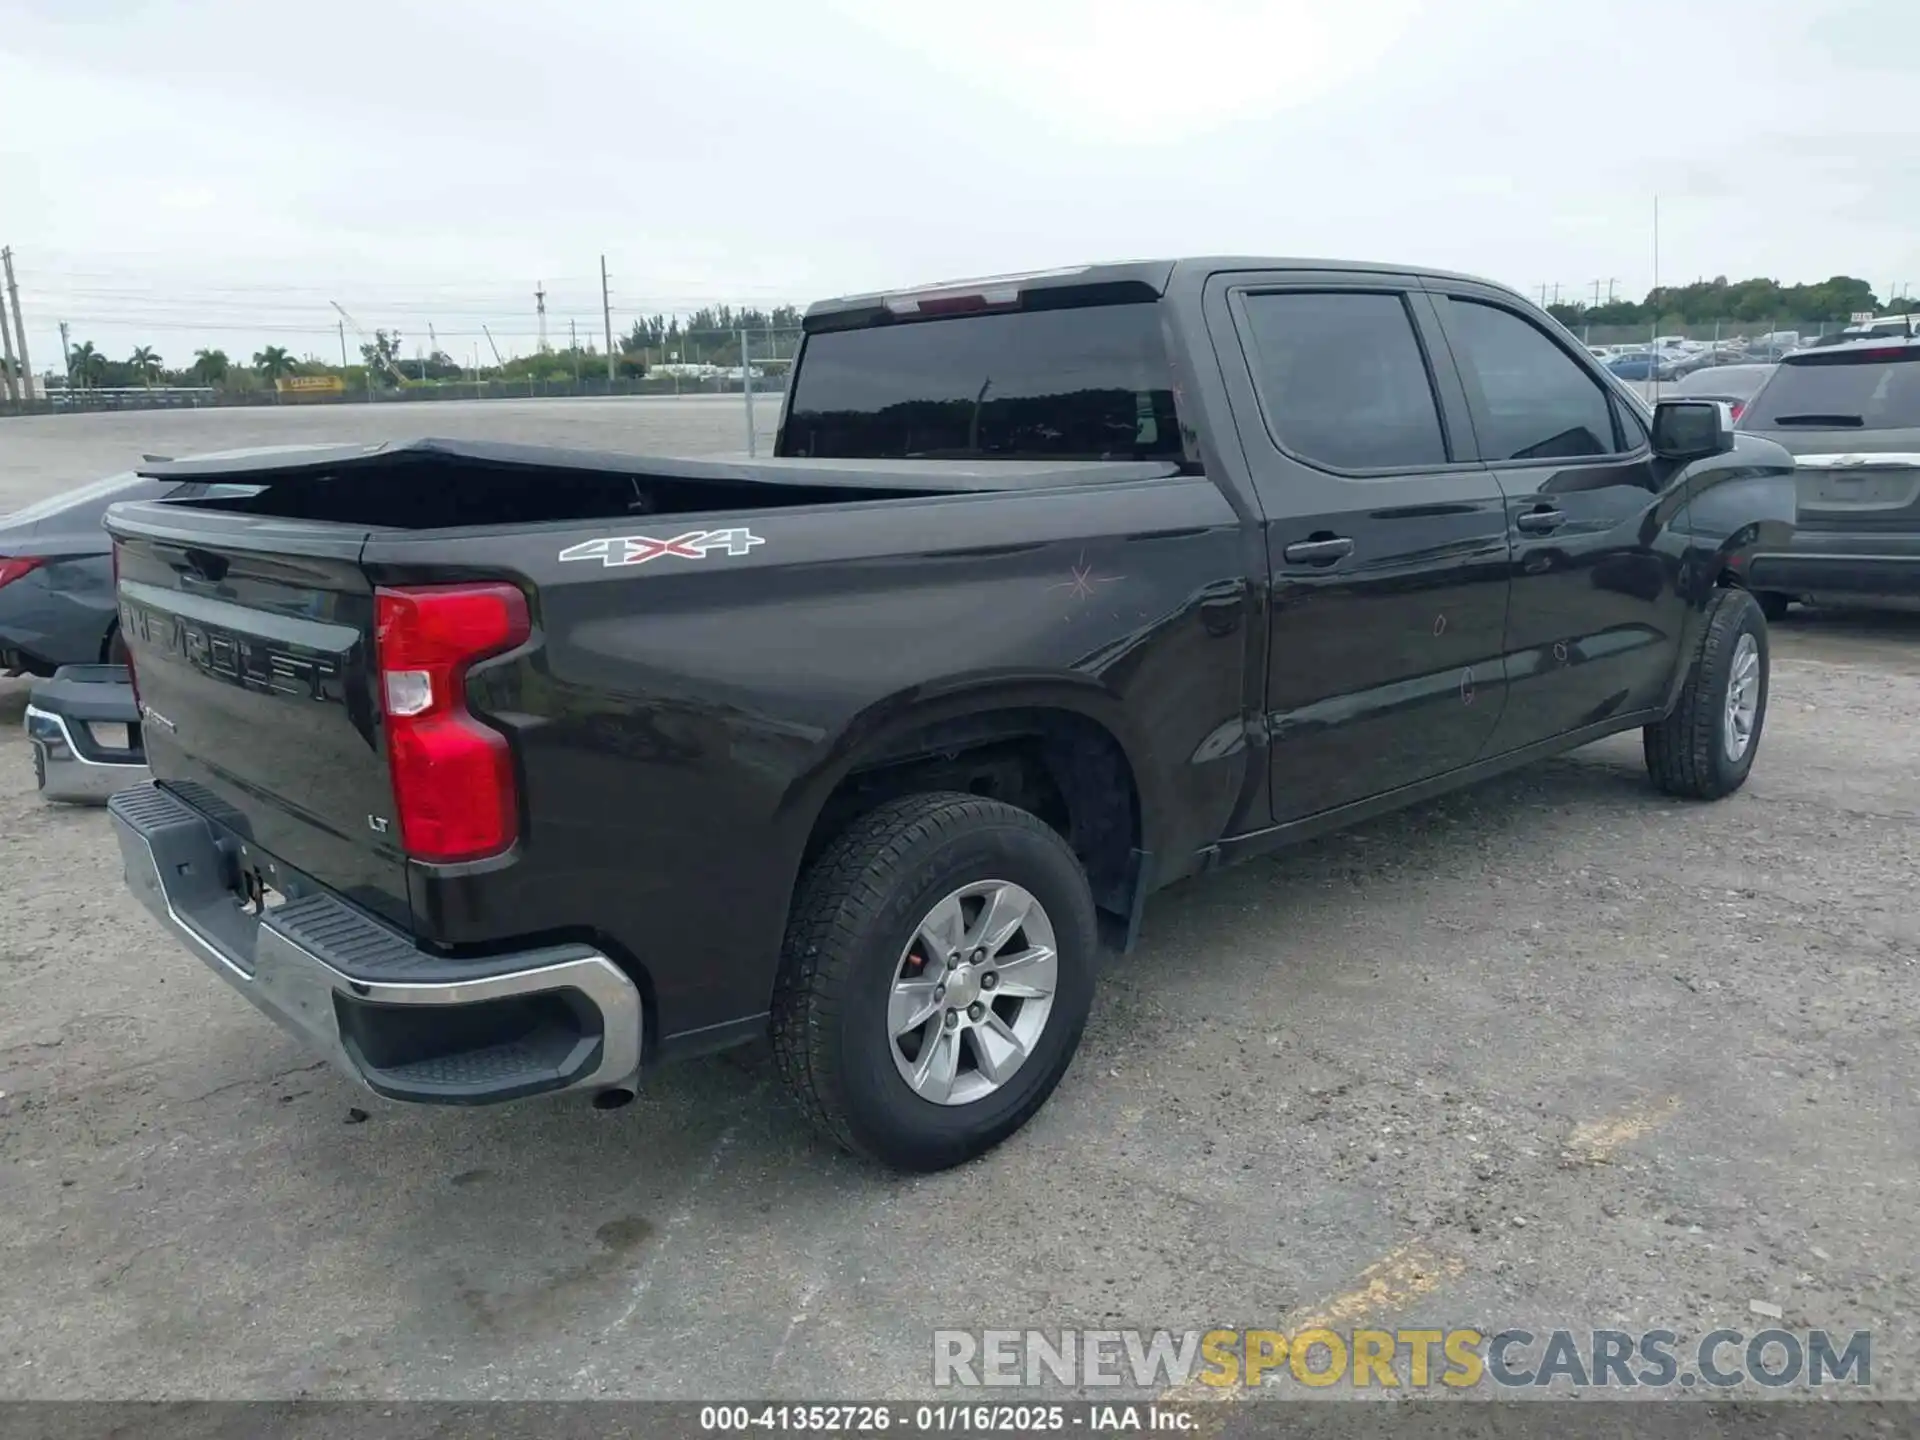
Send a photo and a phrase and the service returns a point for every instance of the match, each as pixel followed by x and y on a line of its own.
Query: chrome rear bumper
pixel 407 1023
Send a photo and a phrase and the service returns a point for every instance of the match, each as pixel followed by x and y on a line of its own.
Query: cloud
pixel 220 171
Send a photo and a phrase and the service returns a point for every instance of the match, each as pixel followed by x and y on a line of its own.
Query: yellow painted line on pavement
pixel 1415 1269
pixel 1391 1283
pixel 1594 1142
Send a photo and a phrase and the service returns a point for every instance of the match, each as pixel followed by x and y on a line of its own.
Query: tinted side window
pixel 1540 405
pixel 1633 433
pixel 1343 380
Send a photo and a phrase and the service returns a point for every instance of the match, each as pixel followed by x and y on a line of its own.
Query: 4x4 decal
pixel 639 549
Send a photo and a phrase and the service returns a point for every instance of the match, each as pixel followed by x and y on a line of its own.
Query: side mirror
pixel 1691 429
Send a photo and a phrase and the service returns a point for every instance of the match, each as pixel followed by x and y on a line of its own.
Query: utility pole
pixel 1653 330
pixel 20 326
pixel 6 334
pixel 343 345
pixel 540 310
pixel 66 353
pixel 606 316
pixel 573 344
pixel 746 387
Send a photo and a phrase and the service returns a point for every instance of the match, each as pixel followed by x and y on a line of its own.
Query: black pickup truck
pixel 493 771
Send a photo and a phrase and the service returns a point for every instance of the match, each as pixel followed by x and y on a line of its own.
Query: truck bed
pixel 432 484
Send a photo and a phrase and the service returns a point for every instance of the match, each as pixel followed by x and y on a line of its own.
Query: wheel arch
pixel 1076 729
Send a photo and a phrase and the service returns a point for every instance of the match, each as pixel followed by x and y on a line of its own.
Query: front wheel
pixel 1705 748
pixel 936 976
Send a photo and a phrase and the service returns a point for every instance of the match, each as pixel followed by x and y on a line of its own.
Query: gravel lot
pixel 1554 1051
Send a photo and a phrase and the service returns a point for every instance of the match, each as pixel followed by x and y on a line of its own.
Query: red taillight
pixel 453 781
pixel 12 567
pixel 1735 408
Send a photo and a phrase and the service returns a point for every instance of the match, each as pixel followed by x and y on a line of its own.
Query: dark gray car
pixel 1851 416
pixel 56 571
pixel 1735 384
pixel 56 577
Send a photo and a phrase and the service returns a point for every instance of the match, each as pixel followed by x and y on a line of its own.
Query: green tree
pixel 1749 302
pixel 382 357
pixel 272 363
pixel 86 365
pixel 146 364
pixel 210 366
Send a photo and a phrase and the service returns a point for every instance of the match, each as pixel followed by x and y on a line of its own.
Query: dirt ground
pixel 1556 1051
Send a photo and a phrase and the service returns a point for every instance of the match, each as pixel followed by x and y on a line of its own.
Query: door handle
pixel 1539 522
pixel 1320 551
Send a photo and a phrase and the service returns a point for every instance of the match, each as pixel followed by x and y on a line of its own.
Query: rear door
pixel 1595 615
pixel 1386 543
pixel 252 646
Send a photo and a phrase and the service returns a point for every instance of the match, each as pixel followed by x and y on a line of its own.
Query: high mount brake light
pixel 954 302
pixel 453 780
pixel 1001 292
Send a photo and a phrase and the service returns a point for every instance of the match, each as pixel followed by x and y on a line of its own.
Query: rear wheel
pixel 116 651
pixel 1706 747
pixel 937 974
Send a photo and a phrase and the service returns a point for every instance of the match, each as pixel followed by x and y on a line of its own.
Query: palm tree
pixel 272 363
pixel 146 364
pixel 210 366
pixel 85 364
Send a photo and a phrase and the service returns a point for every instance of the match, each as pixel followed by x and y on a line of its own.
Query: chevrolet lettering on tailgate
pixel 247 661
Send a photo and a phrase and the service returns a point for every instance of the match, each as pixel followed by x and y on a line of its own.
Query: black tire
pixel 115 652
pixel 1687 753
pixel 1773 604
pixel 858 906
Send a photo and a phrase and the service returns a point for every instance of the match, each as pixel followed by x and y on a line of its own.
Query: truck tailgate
pixel 252 646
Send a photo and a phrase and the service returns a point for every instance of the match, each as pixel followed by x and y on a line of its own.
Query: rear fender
pixel 1737 505
pixel 881 730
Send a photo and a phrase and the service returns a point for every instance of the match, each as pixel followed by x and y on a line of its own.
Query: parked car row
pixel 1674 357
pixel 1675 360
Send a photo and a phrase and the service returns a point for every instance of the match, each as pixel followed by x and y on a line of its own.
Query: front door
pixel 1386 545
pixel 1595 613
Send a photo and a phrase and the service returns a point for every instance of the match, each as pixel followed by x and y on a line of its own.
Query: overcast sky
pixel 191 174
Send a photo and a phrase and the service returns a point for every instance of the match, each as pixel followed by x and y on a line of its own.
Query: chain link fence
pixel 692 363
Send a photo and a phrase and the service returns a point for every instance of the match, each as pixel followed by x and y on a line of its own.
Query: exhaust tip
pixel 612 1099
